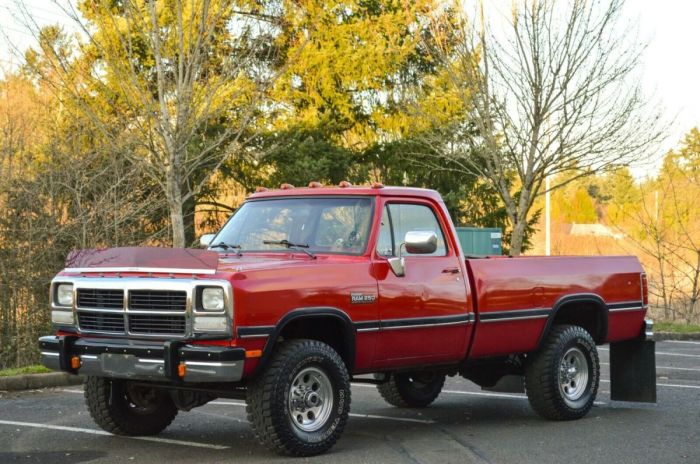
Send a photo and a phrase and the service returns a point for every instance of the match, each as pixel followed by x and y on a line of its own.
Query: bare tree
pixel 185 80
pixel 553 88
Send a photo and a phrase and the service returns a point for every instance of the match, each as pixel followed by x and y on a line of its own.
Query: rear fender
pixel 590 298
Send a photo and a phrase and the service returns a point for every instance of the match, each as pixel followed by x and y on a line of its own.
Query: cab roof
pixel 366 190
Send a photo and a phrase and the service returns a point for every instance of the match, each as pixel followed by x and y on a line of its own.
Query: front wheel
pixel 300 404
pixel 121 408
pixel 412 389
pixel 562 379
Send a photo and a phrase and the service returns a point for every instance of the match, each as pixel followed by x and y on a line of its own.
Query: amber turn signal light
pixel 181 370
pixel 253 353
pixel 75 362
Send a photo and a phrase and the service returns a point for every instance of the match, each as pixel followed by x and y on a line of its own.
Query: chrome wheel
pixel 573 374
pixel 310 399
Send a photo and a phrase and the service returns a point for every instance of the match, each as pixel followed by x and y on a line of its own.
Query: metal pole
pixel 547 213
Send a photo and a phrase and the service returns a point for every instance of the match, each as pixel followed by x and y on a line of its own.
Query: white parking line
pixel 682 341
pixel 101 432
pixel 352 414
pixel 695 369
pixel 500 395
pixel 400 419
pixel 695 387
pixel 664 353
pixel 228 403
pixel 510 396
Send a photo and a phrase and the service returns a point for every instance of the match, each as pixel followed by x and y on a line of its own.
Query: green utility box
pixel 480 241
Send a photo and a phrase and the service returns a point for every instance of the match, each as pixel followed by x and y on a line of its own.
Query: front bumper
pixel 128 359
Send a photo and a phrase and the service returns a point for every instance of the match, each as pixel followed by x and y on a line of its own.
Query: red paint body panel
pixel 503 338
pixel 540 282
pixel 267 292
pixel 475 293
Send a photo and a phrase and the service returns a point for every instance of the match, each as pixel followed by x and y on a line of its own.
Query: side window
pixel 407 217
pixel 385 243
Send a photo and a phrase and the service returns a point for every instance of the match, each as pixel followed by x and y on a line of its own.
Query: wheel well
pixel 587 314
pixel 327 329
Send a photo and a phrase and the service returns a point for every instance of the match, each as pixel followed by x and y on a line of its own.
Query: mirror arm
pixel 398 263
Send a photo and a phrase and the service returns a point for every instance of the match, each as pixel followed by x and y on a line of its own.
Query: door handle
pixel 451 270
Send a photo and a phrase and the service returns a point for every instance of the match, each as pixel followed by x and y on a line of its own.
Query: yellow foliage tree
pixel 360 67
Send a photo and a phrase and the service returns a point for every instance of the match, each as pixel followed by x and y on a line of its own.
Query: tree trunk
pixel 517 237
pixel 175 203
pixel 188 208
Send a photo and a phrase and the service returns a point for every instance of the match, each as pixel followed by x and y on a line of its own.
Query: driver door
pixel 423 315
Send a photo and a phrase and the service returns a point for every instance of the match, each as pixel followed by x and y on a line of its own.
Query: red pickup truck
pixel 304 290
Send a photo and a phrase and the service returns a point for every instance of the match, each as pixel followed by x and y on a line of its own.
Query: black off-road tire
pixel 544 374
pixel 412 390
pixel 114 411
pixel 268 399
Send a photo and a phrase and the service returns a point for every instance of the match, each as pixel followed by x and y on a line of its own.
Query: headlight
pixel 64 294
pixel 213 299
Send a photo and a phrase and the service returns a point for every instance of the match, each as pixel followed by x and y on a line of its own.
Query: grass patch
pixel 24 370
pixel 675 327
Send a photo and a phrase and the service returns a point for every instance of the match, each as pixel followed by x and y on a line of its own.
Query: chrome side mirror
pixel 205 240
pixel 417 243
pixel 420 242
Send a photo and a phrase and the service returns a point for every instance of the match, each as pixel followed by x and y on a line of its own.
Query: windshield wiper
pixel 295 246
pixel 226 246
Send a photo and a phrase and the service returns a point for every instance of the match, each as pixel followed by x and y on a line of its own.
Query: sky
pixel 671 67
pixel 670 71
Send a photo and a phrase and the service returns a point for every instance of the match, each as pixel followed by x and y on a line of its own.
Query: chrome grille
pixel 100 298
pixel 157 300
pixel 156 324
pixel 141 307
pixel 101 322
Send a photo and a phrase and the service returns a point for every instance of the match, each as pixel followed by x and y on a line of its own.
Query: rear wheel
pixel 300 404
pixel 121 408
pixel 412 389
pixel 562 378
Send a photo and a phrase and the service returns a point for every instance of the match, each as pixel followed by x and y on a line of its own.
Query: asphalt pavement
pixel 465 425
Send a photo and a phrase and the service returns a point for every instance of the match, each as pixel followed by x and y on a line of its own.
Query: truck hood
pixel 143 259
pixel 177 260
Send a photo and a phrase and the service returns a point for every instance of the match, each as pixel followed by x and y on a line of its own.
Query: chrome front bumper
pixel 124 359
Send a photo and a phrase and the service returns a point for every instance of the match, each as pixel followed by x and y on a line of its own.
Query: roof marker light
pixel 315 184
pixel 286 186
pixel 344 184
pixel 260 189
pixel 377 185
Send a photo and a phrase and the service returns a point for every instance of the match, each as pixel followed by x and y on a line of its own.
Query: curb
pixel 35 381
pixel 661 336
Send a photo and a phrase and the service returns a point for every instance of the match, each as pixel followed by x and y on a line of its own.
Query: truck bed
pixel 520 296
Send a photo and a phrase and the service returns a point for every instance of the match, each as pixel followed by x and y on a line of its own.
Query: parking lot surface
pixel 465 425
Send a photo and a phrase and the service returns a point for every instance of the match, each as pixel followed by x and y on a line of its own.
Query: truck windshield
pixel 318 224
